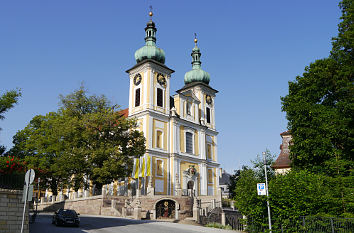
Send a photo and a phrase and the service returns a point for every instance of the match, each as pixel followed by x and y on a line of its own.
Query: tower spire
pixel 150 51
pixel 196 74
pixel 196 54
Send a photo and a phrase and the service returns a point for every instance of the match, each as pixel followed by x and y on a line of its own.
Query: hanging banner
pixel 142 166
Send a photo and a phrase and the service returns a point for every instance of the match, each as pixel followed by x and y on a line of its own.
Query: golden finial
pixel 150 12
pixel 195 39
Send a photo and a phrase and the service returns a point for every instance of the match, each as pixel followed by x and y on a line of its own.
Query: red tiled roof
pixel 124 112
pixel 283 161
pixel 285 133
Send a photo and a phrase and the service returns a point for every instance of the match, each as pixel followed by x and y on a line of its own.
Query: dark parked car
pixel 66 217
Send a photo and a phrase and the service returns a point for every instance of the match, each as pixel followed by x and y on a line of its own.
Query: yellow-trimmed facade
pixel 179 137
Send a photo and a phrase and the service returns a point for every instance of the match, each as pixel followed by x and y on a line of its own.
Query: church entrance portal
pixel 190 184
pixel 165 209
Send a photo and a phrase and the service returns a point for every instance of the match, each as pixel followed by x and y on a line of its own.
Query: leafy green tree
pixel 247 201
pixel 7 101
pixel 320 107
pixel 87 138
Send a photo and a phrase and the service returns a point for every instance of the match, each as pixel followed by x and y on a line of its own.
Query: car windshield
pixel 68 213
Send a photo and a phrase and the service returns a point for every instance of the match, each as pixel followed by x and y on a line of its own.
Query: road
pixel 100 224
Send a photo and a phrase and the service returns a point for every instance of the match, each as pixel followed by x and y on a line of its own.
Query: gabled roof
pixel 189 85
pixel 189 93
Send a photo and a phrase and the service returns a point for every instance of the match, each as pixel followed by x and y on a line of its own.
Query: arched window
pixel 159 167
pixel 209 153
pixel 137 97
pixel 210 176
pixel 208 114
pixel 189 143
pixel 159 97
pixel 159 140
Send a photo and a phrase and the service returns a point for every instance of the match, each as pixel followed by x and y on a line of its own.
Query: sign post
pixel 261 189
pixel 29 177
pixel 266 190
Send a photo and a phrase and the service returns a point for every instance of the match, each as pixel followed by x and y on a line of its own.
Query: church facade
pixel 180 129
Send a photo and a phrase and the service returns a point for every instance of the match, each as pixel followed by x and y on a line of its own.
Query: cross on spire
pixel 150 12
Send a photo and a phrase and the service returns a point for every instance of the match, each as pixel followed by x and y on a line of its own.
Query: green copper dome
pixel 149 50
pixel 196 74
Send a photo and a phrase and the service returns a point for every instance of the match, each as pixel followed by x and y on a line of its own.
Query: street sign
pixel 29 193
pixel 29 177
pixel 261 189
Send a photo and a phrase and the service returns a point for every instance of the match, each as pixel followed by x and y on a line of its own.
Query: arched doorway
pixel 190 184
pixel 165 209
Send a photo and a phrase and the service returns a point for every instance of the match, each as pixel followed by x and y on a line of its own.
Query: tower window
pixel 209 151
pixel 208 115
pixel 159 139
pixel 159 167
pixel 189 142
pixel 137 97
pixel 210 176
pixel 159 97
pixel 189 107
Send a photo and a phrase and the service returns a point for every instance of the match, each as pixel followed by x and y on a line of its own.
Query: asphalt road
pixel 99 224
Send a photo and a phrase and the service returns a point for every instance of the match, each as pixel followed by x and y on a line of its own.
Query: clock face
pixel 209 100
pixel 137 79
pixel 161 80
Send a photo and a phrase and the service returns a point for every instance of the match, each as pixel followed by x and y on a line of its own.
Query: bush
pixel 219 226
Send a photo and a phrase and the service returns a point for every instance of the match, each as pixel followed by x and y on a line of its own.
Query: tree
pixel 247 201
pixel 87 138
pixel 320 109
pixel 7 101
pixel 258 169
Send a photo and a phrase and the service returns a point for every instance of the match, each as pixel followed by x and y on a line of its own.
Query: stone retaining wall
pixel 11 210
pixel 86 205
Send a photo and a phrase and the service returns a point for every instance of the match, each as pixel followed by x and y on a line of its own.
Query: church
pixel 180 129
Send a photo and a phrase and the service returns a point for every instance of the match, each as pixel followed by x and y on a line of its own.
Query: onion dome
pixel 196 74
pixel 149 50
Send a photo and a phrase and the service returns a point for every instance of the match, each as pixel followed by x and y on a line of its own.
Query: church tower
pixel 180 129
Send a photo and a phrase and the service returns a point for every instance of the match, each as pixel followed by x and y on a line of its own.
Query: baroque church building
pixel 180 132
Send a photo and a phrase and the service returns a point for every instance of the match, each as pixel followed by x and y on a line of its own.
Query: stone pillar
pixel 54 198
pixel 137 210
pixel 150 189
pixel 178 186
pixel 177 211
pixel 213 204
pixel 153 213
pixel 124 209
pixel 196 210
pixel 87 193
pixel 232 204
pixel 61 196
pixel 223 218
pixel 103 190
pixel 138 193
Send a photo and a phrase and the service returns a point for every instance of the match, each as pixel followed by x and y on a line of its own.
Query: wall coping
pixel 12 191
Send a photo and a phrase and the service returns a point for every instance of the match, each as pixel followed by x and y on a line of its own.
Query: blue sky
pixel 250 48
